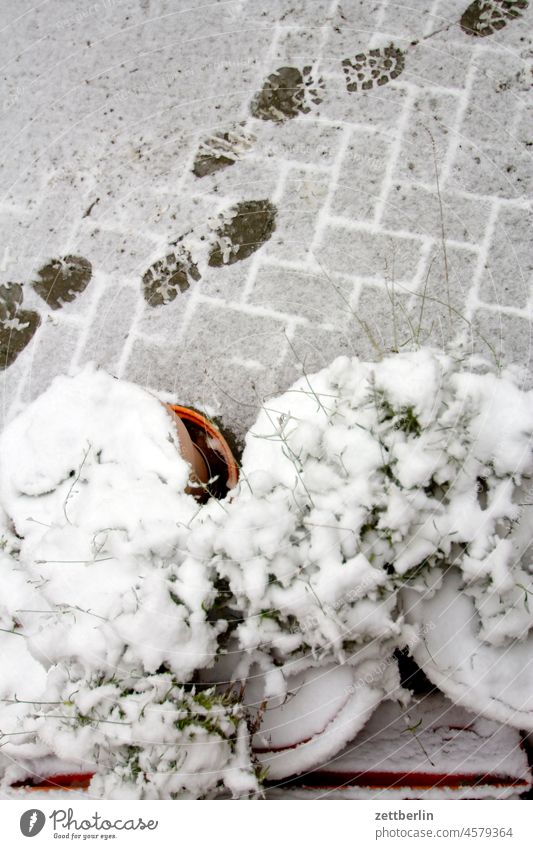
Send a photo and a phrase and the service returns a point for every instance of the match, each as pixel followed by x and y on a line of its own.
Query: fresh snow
pixel 361 487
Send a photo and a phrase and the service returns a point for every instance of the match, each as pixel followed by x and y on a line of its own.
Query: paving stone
pixel 110 327
pixel 313 348
pixel 154 159
pixel 439 308
pixel 299 45
pixel 231 393
pixel 219 338
pixel 500 171
pixel 226 283
pixel 303 198
pixel 121 253
pixel 163 323
pixel 504 340
pixel 15 264
pixel 368 254
pixel 524 129
pixel 162 217
pixel 352 32
pixel 12 380
pixel 433 113
pixel 436 61
pixel 500 86
pixel 288 12
pixel 47 231
pixel 51 355
pixel 389 318
pixel 303 294
pixel 21 189
pixel 509 269
pixel 361 176
pixel 381 323
pixel 379 108
pixel 236 335
pixel 303 139
pixel 415 208
pixel 156 365
pixel 416 20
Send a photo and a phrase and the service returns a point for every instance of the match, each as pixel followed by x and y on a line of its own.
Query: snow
pixel 361 488
pixel 413 429
pixel 149 738
pixel 496 682
pixel 431 736
pixel 323 707
pixel 93 482
pixel 444 738
pixel 96 515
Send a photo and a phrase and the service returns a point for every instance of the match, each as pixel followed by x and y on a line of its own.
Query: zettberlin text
pixel 404 815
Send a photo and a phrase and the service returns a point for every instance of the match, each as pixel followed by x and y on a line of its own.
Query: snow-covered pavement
pixel 108 113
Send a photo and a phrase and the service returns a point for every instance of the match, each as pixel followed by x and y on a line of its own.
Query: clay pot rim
pixel 198 419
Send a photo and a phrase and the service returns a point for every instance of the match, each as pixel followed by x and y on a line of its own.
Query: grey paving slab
pixel 508 272
pixel 504 339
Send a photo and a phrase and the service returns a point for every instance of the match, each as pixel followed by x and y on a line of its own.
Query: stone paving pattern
pixel 132 131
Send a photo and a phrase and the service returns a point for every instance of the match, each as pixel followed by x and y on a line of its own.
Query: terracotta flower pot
pixel 192 454
pixel 209 454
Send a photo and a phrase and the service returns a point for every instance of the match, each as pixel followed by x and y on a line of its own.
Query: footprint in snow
pixel 374 68
pixel 242 230
pixel 17 326
pixel 484 17
pixel 221 150
pixel 238 232
pixel 286 93
pixel 61 280
pixel 168 276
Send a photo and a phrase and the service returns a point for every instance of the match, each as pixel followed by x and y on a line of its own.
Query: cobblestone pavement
pixel 211 198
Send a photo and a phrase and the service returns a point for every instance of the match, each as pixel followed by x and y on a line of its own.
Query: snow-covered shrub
pixel 360 484
pixel 147 736
pixel 363 479
pixel 93 582
pixel 93 485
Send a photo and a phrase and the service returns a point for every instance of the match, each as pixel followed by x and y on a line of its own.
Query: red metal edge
pixel 59 781
pixel 372 780
pixel 396 780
